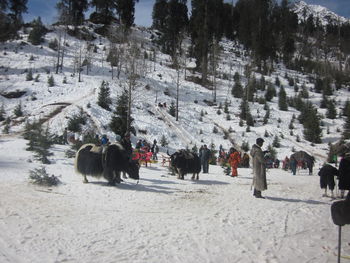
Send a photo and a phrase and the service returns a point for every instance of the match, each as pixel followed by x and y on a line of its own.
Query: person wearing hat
pixel 259 168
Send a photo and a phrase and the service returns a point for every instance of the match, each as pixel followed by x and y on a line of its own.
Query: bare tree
pixel 214 63
pixel 133 71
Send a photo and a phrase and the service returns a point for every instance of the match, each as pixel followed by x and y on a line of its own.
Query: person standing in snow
pixel 154 150
pixel 259 168
pixel 126 143
pixel 234 160
pixel 204 155
pixel 344 175
pixel 327 174
pixel 293 165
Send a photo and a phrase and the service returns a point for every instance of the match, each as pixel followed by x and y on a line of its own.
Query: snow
pixel 322 13
pixel 160 219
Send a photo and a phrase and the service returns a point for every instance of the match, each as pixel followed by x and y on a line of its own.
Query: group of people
pixel 145 152
pixel 328 173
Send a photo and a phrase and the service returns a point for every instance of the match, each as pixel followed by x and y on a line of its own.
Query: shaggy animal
pixel 107 161
pixel 184 162
pixel 305 157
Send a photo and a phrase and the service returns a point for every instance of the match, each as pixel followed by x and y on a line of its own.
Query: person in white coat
pixel 259 168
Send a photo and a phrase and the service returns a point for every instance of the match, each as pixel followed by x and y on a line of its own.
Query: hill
pixel 201 120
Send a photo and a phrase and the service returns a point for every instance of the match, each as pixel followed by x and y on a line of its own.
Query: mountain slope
pixel 157 83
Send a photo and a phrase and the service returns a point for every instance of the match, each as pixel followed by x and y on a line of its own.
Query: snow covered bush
pixel 41 177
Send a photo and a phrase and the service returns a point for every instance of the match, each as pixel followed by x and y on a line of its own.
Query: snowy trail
pixel 182 134
pixel 162 219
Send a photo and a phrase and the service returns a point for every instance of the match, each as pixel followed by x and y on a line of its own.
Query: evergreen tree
pixel 104 99
pixel 205 26
pixel 126 12
pixel 2 113
pixel 276 142
pixel 29 75
pixel 118 123
pixel 104 11
pixel 172 109
pixel 36 34
pixel 163 141
pixel 270 92
pixel 237 89
pixel 71 12
pixel 331 110
pixel 226 107
pixel 304 93
pixel 346 109
pixel 312 130
pixel 18 110
pixel 159 15
pixel 51 81
pixel 250 89
pixel 282 100
pixel 172 22
pixel 17 8
pixel 346 131
pixel 244 107
pixel 40 141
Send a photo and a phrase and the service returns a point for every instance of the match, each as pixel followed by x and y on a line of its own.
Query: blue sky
pixel 46 9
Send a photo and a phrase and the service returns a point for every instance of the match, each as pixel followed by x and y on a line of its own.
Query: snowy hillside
pixel 304 10
pixel 156 84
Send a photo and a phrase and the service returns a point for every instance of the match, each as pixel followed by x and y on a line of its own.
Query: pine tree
pixel 282 100
pixel 163 141
pixel 51 81
pixel 71 12
pixel 17 8
pixel 276 142
pixel 237 89
pixel 331 110
pixel 312 130
pixel 36 34
pixel 2 113
pixel 126 11
pixel 118 123
pixel 172 109
pixel 346 109
pixel 159 15
pixel 40 141
pixel 18 110
pixel 104 99
pixel 29 75
pixel 270 92
pixel 346 131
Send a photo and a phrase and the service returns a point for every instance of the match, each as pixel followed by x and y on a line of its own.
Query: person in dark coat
pixel 204 155
pixel 344 175
pixel 293 165
pixel 327 174
pixel 126 143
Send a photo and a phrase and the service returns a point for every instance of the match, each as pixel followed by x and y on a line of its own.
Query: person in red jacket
pixel 234 160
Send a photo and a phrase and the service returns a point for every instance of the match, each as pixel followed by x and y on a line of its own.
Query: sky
pixel 46 10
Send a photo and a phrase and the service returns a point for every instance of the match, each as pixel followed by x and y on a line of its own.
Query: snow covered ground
pixel 160 219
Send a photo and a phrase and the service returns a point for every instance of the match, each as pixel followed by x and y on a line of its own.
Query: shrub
pixel 41 177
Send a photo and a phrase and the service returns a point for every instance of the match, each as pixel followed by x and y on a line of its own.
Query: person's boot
pixel 257 194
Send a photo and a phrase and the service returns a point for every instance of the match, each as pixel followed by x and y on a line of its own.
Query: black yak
pixel 107 161
pixel 184 162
